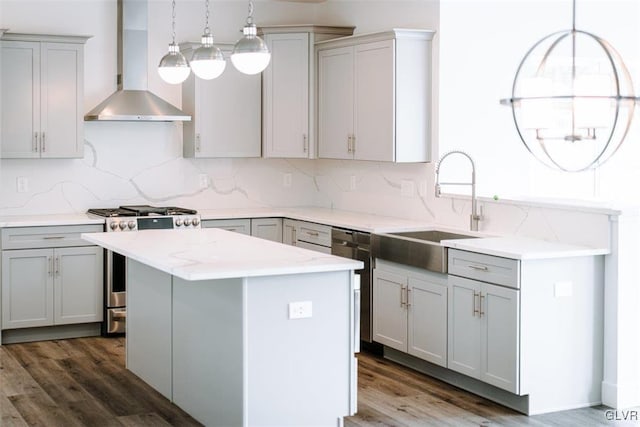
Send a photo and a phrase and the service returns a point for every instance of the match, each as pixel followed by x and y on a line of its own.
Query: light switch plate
pixel 286 180
pixel 203 181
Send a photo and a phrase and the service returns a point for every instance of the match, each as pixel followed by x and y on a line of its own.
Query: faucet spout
pixel 474 217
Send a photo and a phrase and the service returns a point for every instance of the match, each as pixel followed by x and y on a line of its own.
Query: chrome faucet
pixel 475 217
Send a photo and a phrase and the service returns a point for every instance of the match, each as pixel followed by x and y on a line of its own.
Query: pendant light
pixel 250 54
pixel 572 100
pixel 207 61
pixel 173 67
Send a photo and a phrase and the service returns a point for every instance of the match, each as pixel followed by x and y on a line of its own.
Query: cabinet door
pixel 374 103
pixel 228 115
pixel 501 356
pixel 464 347
pixel 389 312
pixel 335 103
pixel 289 232
pixel 61 94
pixel 286 96
pixel 267 228
pixel 78 285
pixel 20 79
pixel 27 288
pixel 428 321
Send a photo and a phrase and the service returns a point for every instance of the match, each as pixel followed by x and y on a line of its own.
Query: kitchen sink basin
pixel 422 249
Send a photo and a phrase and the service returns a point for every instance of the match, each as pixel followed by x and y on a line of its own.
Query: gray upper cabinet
pixel 288 93
pixel 374 97
pixel 225 112
pixel 41 81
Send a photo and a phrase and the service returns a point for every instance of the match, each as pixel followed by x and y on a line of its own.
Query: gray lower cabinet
pixel 264 228
pixel 242 225
pixel 484 332
pixel 51 286
pixel 267 228
pixel 50 276
pixel 410 311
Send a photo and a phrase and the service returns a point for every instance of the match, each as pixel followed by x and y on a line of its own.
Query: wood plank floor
pixel 83 382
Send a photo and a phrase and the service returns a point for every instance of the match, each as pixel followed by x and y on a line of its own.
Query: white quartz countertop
pixel 523 248
pixel 336 218
pixel 217 254
pixel 48 220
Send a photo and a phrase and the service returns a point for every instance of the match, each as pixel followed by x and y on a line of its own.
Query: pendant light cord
pixel 250 16
pixel 207 30
pixel 173 21
pixel 574 16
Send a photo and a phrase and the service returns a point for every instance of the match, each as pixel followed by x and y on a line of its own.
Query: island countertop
pixel 216 254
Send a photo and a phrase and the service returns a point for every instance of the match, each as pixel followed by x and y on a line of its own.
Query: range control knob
pixel 122 225
pixel 113 225
pixel 131 224
pixel 187 222
pixel 195 222
pixel 179 222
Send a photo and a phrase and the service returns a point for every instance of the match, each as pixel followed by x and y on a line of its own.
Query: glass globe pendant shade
pixel 174 67
pixel 207 61
pixel 250 54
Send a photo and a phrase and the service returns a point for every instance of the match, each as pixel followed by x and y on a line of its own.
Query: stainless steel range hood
pixel 132 101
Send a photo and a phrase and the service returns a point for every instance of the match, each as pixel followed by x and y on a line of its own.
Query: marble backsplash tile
pixel 143 163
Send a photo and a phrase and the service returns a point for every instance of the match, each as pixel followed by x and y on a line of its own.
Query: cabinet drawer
pixel 47 237
pixel 486 268
pixel 314 233
pixel 242 226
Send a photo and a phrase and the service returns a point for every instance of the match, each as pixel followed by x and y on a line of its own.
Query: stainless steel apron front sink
pixel 422 249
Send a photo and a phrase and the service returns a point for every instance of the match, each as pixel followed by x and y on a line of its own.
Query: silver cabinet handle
pixel 479 267
pixel 294 237
pixel 57 266
pixel 408 301
pixel 35 142
pixel 42 141
pixel 49 265
pixel 53 237
pixel 305 143
pixel 197 143
pixel 402 303
pixel 353 143
pixel 313 233
pixel 475 306
pixel 481 305
pixel 349 143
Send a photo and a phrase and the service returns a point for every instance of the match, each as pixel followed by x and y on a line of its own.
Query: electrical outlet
pixel 422 188
pixel 22 184
pixel 407 188
pixel 352 183
pixel 203 181
pixel 563 289
pixel 300 309
pixel 286 180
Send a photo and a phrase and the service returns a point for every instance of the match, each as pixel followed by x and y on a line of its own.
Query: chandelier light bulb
pixel 174 68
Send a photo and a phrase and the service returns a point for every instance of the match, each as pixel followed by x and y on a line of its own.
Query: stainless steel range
pixel 127 219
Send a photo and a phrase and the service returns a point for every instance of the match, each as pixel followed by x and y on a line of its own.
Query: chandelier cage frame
pixel 618 70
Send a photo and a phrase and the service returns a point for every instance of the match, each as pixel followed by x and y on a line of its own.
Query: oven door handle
pixel 120 315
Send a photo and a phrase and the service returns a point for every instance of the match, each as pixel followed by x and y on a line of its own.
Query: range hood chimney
pixel 132 101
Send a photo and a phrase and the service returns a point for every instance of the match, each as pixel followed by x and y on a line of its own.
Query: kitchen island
pixel 240 331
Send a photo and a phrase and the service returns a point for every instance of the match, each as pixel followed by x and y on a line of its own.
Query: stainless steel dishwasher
pixel 356 245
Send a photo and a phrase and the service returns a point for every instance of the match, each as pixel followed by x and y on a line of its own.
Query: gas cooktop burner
pixel 142 210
